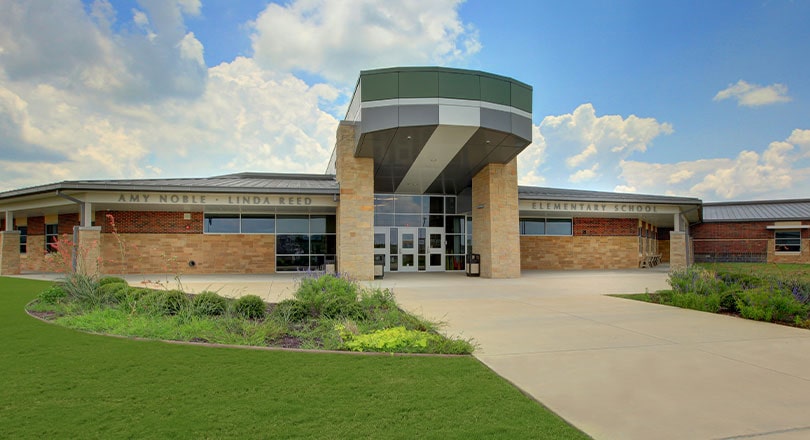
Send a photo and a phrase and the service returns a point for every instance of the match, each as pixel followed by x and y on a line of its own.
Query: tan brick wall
pixel 355 212
pixel 802 257
pixel 9 253
pixel 88 252
pixel 578 252
pixel 663 249
pixel 171 253
pixel 495 230
pixel 677 251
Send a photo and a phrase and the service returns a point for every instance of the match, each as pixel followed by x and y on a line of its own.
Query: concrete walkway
pixel 622 369
pixel 615 368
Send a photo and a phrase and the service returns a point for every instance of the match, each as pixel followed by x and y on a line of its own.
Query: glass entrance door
pixel 435 254
pixel 407 249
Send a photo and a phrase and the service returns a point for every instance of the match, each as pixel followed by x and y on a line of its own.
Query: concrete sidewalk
pixel 615 368
pixel 622 369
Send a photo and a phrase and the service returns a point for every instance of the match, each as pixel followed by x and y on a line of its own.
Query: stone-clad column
pixel 88 250
pixel 495 220
pixel 677 250
pixel 10 253
pixel 355 212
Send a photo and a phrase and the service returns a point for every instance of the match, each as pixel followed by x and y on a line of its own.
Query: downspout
pixel 73 253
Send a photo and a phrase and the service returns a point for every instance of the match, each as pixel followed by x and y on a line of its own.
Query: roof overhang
pixel 430 129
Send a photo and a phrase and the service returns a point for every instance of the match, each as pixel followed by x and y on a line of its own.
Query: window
pixel 239 224
pixel 546 226
pixel 23 238
pixel 305 242
pixel 788 241
pixel 51 237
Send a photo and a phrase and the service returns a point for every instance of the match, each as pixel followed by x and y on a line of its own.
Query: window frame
pixel 793 245
pixel 23 238
pixel 51 237
pixel 545 222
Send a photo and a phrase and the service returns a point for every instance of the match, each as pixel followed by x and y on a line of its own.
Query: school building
pixel 422 178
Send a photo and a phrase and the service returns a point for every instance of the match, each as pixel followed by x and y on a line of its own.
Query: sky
pixel 707 99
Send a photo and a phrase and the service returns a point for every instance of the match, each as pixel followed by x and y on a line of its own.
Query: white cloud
pixel 584 175
pixel 532 159
pixel 586 143
pixel 754 95
pixel 779 171
pixel 338 39
pixel 95 112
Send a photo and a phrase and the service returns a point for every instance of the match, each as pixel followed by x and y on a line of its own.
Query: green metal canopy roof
pixel 431 129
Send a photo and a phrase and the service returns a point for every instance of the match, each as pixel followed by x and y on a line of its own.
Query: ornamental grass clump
pixel 208 303
pixel 250 307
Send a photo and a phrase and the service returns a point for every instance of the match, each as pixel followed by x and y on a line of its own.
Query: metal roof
pixel 240 182
pixel 541 193
pixel 768 210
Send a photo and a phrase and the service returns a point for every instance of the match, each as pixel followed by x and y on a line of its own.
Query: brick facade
pixel 495 216
pixel 9 252
pixel 744 242
pixel 578 252
pixel 173 253
pixel 355 213
pixel 149 222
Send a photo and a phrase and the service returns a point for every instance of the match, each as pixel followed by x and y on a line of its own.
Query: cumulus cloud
pixel 532 159
pixel 59 44
pixel 781 170
pixel 76 116
pixel 590 146
pixel 754 95
pixel 338 39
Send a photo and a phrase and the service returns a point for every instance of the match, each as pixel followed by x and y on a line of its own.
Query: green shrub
pixel 290 310
pixel 153 302
pixel 694 301
pixel 176 300
pixel 765 304
pixel 209 304
pixel 111 280
pixel 113 292
pixel 250 307
pixel 53 295
pixel 330 296
pixel 82 289
pixel 696 280
pixel 396 339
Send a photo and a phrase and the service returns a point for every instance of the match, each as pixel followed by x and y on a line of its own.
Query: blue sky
pixel 709 99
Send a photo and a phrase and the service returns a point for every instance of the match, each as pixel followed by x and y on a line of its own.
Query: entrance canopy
pixel 431 129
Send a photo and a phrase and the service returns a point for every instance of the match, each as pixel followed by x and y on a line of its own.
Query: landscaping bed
pixel 762 292
pixel 327 312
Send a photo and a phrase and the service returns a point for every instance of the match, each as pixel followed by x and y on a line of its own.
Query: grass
pixel 801 271
pixel 61 383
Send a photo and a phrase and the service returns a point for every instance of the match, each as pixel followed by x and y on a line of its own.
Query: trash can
pixel 474 265
pixel 379 266
pixel 330 265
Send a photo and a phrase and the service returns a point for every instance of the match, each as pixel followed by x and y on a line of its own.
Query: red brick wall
pixel 36 225
pixel 735 231
pixel 612 227
pixel 741 241
pixel 149 222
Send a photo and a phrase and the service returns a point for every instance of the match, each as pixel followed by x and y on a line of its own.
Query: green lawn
pixel 60 383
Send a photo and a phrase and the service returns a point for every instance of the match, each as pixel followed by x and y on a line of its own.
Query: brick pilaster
pixel 10 253
pixel 355 212
pixel 495 220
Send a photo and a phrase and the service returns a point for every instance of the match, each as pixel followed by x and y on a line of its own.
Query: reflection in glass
pixel 292 224
pixel 408 204
pixel 407 260
pixel 292 244
pixel 221 223
pixel 379 241
pixel 407 242
pixel 258 224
